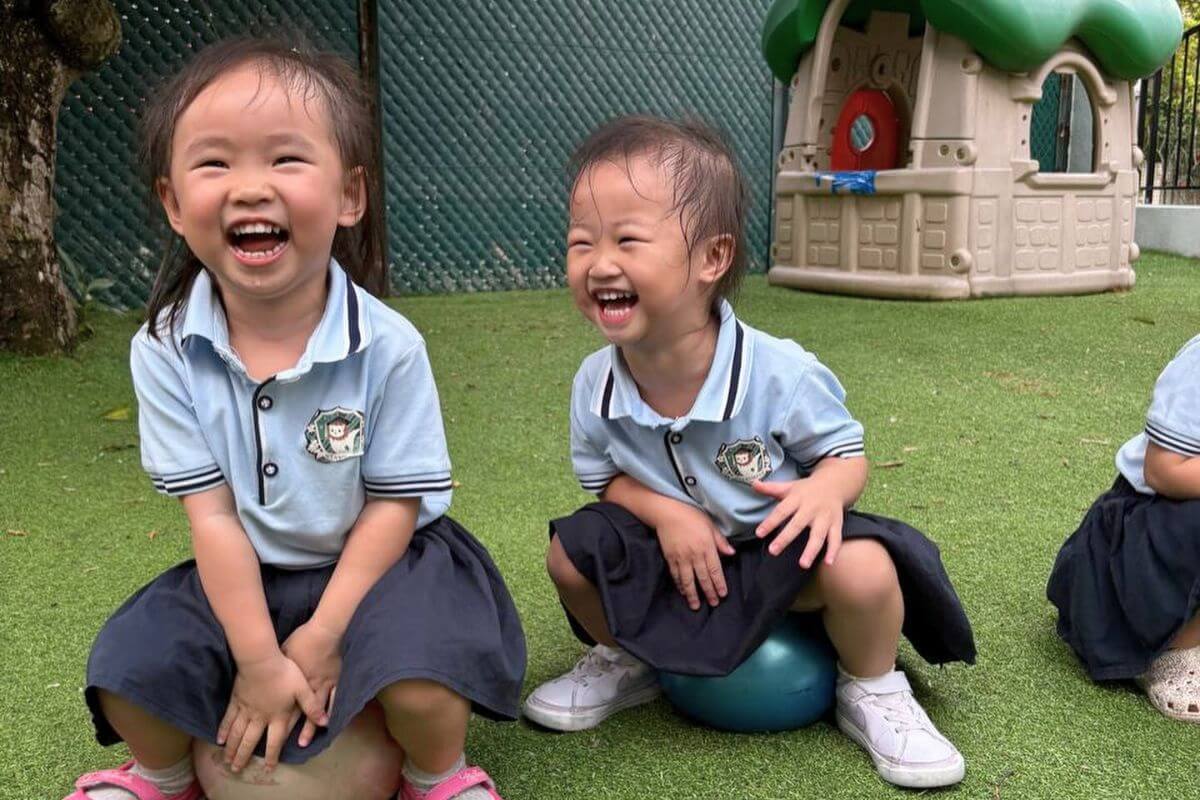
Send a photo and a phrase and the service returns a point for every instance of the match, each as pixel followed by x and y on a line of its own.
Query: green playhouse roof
pixel 1130 38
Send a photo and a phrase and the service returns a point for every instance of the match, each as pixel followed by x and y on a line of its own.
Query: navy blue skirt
pixel 1127 580
pixel 648 617
pixel 441 613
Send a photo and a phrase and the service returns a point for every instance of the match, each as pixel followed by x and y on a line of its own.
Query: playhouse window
pixel 862 133
pixel 1062 136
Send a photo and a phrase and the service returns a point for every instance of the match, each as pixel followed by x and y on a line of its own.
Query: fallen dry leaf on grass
pixel 999 782
pixel 118 414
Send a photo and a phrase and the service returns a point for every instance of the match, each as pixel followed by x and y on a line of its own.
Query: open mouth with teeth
pixel 616 305
pixel 257 242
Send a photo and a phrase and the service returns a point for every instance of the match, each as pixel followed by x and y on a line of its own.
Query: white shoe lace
pixel 900 710
pixel 594 664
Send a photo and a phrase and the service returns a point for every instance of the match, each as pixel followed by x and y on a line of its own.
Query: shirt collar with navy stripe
pixel 344 328
pixel 720 397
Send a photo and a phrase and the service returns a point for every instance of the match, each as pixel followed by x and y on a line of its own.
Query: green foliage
pixel 83 291
pixel 1191 11
pixel 1171 112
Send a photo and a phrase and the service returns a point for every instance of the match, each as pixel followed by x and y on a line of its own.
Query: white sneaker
pixel 602 683
pixel 885 719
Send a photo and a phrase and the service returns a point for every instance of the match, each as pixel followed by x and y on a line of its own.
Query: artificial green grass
pixel 991 424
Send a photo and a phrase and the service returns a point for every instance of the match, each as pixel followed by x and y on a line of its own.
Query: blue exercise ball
pixel 787 683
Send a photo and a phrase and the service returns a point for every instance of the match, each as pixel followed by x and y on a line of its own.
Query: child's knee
pixel 419 698
pixel 560 568
pixel 862 575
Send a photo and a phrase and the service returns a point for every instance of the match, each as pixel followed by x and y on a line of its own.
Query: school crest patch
pixel 335 434
pixel 745 460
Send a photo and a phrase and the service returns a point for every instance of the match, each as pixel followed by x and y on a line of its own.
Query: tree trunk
pixel 43 47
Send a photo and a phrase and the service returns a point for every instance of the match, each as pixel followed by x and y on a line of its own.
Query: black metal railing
pixel 1167 122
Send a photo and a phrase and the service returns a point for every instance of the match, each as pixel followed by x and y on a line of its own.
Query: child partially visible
pixel 726 462
pixel 1127 582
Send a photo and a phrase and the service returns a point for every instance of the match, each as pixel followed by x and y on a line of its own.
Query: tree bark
pixel 44 46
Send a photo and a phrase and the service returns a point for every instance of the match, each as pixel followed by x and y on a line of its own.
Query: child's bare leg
pixel 428 721
pixel 161 753
pixel 606 680
pixel 153 743
pixel 1188 637
pixel 863 609
pixel 578 594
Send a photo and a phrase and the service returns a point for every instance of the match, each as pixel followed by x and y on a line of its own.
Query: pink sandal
pixel 122 778
pixel 459 782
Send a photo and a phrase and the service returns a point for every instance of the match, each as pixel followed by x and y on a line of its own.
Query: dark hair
pixel 302 68
pixel 709 190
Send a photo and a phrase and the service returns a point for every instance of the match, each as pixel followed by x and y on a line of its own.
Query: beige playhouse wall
pixel 969 215
pixel 883 57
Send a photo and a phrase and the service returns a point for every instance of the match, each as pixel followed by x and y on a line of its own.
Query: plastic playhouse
pixel 907 169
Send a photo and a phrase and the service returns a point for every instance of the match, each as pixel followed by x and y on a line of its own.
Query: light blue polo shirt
pixel 1173 421
pixel 357 415
pixel 768 409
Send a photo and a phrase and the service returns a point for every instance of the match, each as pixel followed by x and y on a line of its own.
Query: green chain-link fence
pixel 482 102
pixel 1044 129
pixel 106 225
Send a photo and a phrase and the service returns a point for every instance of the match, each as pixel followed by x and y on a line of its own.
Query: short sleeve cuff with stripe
pixel 409 485
pixel 1173 421
pixel 179 484
pixel 850 448
pixel 1173 440
pixel 597 482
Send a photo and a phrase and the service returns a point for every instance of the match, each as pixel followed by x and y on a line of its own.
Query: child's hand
pixel 804 503
pixel 693 547
pixel 268 697
pixel 317 651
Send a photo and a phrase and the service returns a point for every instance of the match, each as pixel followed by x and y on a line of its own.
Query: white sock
pixel 846 677
pixel 426 781
pixel 170 781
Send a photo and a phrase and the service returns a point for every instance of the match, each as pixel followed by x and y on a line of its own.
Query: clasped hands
pixel 692 545
pixel 271 693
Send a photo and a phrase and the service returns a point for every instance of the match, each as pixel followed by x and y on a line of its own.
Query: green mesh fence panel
pixel 482 103
pixel 1043 129
pixel 106 225
pixel 484 99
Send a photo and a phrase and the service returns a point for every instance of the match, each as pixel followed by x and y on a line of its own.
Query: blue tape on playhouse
pixel 856 182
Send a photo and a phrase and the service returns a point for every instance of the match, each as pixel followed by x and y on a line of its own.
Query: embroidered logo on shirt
pixel 335 434
pixel 745 460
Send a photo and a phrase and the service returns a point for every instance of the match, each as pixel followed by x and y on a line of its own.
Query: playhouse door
pixel 868 133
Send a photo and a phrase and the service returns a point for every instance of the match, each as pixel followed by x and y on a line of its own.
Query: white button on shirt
pixel 1173 421
pixel 357 415
pixel 768 409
